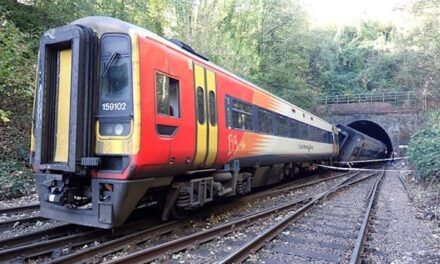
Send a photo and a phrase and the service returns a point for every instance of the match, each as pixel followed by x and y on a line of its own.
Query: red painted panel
pixel 176 150
pixel 154 149
pixel 183 143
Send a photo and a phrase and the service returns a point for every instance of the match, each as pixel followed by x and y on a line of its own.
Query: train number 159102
pixel 114 106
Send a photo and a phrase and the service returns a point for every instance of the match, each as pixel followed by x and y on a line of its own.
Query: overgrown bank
pixel 17 71
pixel 424 149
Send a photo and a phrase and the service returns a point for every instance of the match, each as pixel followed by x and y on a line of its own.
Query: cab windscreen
pixel 115 97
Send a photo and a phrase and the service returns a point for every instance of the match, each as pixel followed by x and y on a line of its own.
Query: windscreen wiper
pixel 113 58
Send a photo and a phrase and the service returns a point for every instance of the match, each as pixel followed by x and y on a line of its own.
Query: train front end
pixel 86 125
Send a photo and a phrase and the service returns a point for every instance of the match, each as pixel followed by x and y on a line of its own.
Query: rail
pixel 155 252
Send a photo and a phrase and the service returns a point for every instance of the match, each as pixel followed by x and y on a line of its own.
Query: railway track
pixel 71 240
pixel 311 230
pixel 406 187
pixel 28 220
pixel 20 209
pixel 298 206
pixel 303 242
pixel 21 221
pixel 20 215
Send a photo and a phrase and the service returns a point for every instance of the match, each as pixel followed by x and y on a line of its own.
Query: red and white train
pixel 123 117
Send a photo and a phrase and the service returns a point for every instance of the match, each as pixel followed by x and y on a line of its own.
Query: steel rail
pixel 152 253
pixel 108 247
pixel 252 246
pixel 36 237
pixel 45 247
pixel 31 245
pixel 363 229
pixel 115 244
pixel 71 235
pixel 406 187
pixel 23 220
pixel 18 209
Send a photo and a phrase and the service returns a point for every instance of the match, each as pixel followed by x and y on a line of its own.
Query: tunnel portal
pixel 373 130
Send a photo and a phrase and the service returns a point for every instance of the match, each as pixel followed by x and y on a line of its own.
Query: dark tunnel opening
pixel 375 131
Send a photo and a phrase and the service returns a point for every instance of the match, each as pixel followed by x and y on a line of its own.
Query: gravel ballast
pixel 397 234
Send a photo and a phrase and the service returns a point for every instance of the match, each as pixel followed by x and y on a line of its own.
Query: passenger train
pixel 124 118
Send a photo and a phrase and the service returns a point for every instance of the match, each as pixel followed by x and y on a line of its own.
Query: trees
pixel 421 47
pixel 353 59
pixel 282 47
pixel 16 56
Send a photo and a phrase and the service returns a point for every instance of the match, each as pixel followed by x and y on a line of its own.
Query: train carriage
pixel 355 146
pixel 123 117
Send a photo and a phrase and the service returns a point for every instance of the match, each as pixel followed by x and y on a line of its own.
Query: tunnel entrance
pixel 375 131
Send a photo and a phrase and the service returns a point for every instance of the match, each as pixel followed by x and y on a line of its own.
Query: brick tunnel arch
pixel 373 130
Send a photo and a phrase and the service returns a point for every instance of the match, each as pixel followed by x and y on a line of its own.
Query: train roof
pixel 103 24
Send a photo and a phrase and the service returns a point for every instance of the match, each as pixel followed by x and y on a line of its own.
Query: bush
pixel 15 180
pixel 424 148
pixel 17 61
pixel 17 73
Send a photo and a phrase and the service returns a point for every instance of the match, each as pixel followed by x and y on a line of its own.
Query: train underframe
pixel 107 203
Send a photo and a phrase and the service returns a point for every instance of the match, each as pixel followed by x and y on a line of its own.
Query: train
pixel 124 118
pixel 356 146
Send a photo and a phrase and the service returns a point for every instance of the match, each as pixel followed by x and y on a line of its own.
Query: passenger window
pixel 242 115
pixel 265 121
pixel 282 126
pixel 212 109
pixel 167 95
pixel 294 129
pixel 304 131
pixel 200 105
pixel 312 133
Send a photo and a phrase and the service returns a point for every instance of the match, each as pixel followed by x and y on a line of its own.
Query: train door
pixel 206 117
pixel 63 115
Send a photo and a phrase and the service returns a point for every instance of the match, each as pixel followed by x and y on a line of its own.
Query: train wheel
pixel 179 213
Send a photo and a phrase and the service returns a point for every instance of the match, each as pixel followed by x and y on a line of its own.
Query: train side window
pixel 330 138
pixel 304 131
pixel 311 134
pixel 314 132
pixel 294 129
pixel 282 127
pixel 212 109
pixel 167 95
pixel 326 137
pixel 242 115
pixel 200 105
pixel 265 122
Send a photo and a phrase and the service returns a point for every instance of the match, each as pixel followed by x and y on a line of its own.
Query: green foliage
pixel 421 50
pixel 5 116
pixel 17 61
pixel 424 148
pixel 15 180
pixel 227 36
pixel 283 51
pixel 145 13
pixel 353 59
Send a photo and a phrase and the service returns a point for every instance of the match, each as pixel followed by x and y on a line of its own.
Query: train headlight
pixel 108 128
pixel 119 129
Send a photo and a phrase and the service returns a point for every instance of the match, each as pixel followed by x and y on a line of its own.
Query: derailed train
pixel 123 118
